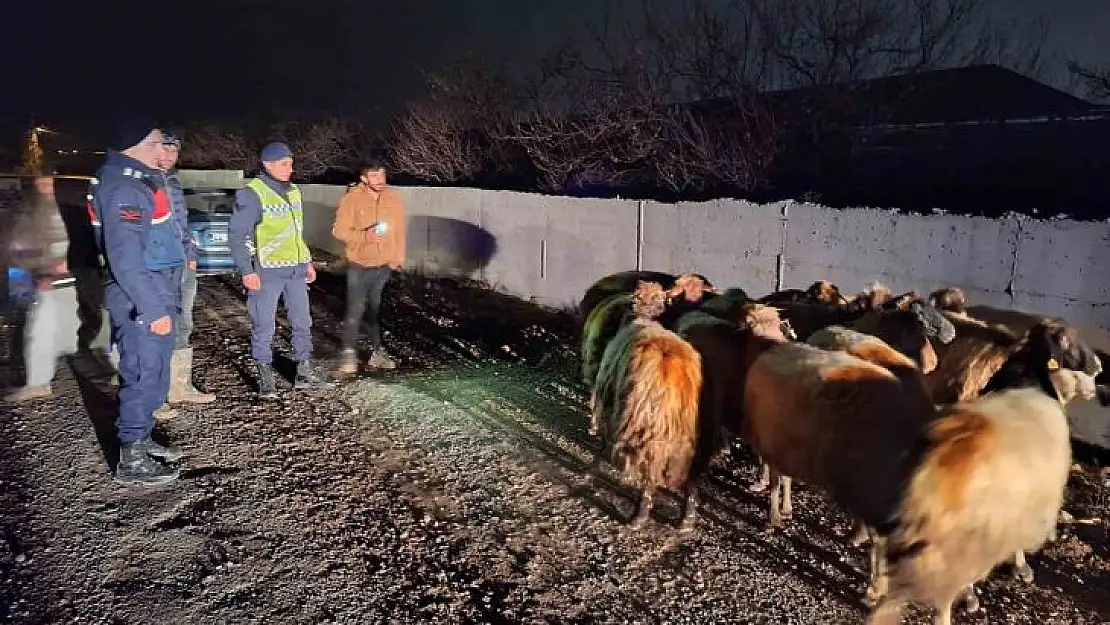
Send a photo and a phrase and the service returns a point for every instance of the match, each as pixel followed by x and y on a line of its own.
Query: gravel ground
pixel 449 490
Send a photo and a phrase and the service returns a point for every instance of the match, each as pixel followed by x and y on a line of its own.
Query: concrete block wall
pixel 551 248
pixel 211 178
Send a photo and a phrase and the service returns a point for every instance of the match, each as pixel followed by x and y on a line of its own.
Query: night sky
pixel 78 60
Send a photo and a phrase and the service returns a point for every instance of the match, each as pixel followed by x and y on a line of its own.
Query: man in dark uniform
pixel 267 243
pixel 143 250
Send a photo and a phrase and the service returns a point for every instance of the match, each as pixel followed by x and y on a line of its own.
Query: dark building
pixel 979 140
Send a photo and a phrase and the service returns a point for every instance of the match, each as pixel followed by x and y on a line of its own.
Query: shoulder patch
pixel 130 214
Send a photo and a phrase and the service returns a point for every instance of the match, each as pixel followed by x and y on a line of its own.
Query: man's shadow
pixel 93 372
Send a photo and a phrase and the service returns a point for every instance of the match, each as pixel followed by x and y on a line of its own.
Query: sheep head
pixel 871 298
pixel 1071 385
pixel 692 287
pixel 949 299
pixel 825 292
pixel 649 300
pixel 1071 364
pixel 762 320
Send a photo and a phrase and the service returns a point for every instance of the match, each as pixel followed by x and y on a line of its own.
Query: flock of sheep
pixel 940 429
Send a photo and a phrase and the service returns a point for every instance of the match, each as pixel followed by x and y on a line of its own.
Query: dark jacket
pixel 172 183
pixel 137 234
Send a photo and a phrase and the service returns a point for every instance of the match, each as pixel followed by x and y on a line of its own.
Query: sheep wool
pixel 990 484
pixel 646 402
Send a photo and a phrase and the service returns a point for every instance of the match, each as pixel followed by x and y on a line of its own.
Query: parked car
pixel 209 219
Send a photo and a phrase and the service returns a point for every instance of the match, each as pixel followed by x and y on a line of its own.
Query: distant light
pixel 42 129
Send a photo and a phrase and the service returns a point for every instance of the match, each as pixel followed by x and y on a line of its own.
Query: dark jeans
pixel 288 285
pixel 364 286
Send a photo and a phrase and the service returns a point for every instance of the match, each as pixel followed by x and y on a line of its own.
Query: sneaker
pixel 380 360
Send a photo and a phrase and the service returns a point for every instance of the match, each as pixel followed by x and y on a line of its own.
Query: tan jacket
pixel 358 209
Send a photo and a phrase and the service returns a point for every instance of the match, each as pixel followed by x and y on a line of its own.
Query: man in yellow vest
pixel 267 243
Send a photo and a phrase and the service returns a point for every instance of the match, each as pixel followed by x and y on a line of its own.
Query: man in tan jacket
pixel 370 221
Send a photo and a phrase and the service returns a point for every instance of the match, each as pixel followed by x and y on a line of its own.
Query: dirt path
pixel 447 491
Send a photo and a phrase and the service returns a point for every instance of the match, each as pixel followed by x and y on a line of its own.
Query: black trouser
pixel 89 283
pixel 364 286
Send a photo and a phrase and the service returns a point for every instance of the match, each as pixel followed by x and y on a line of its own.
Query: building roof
pixel 962 94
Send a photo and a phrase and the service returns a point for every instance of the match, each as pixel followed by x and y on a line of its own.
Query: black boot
pixel 267 387
pixel 137 467
pixel 169 454
pixel 309 377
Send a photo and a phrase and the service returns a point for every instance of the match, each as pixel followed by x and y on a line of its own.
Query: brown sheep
pixel 645 401
pixel 873 349
pixel 988 485
pixel 648 301
pixel 864 425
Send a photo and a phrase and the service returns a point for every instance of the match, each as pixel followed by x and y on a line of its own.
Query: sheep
pixel 954 301
pixel 873 349
pixel 626 281
pixel 820 292
pixel 968 363
pixel 718 341
pixel 808 318
pixel 1018 322
pixel 610 315
pixel 645 401
pixel 605 321
pixel 864 419
pixel 988 483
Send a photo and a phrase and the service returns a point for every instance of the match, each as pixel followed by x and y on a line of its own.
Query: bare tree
pixel 212 146
pixel 320 145
pixel 447 136
pixel 677 96
pixel 317 144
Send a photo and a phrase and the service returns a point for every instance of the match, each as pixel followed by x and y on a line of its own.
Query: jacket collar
pixel 123 161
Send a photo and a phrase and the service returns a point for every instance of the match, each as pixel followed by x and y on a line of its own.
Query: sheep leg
pixel 764 479
pixel 971 600
pixel 787 501
pixel 887 612
pixel 860 534
pixel 775 516
pixel 1022 571
pixel 690 513
pixel 944 612
pixel 878 580
pixel 593 428
pixel 644 508
pixel 595 465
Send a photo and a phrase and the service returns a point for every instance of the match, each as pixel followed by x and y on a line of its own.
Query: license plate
pixel 217 237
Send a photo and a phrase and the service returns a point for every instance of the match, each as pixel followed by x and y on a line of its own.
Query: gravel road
pixel 449 490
